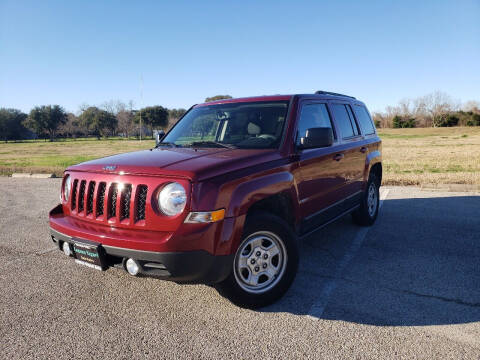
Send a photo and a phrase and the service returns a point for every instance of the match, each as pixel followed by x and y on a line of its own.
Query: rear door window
pixel 342 118
pixel 364 119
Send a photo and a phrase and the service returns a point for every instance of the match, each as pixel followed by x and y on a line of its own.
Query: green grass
pixel 54 157
pixel 410 156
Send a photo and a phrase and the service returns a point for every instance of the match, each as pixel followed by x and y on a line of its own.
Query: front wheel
pixel 265 263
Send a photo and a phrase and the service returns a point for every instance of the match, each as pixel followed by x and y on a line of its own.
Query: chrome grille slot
pixel 125 202
pixel 112 200
pixel 81 196
pixel 90 193
pixel 74 194
pixel 141 202
pixel 100 199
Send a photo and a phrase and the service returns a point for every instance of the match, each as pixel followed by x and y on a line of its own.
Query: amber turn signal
pixel 205 216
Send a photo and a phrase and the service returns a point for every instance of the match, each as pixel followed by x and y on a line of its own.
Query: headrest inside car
pixel 253 129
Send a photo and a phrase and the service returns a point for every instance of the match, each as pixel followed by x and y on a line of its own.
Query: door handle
pixel 363 149
pixel 338 157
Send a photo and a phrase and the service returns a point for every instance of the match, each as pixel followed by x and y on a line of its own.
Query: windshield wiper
pixel 166 144
pixel 216 143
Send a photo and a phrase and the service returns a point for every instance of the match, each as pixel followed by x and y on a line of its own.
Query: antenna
pixel 141 104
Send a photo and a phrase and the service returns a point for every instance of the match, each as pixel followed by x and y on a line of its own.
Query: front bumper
pixel 188 267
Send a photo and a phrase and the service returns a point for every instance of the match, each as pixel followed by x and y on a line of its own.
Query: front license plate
pixel 88 254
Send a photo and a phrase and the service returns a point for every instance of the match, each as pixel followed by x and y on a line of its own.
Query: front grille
pixel 125 202
pixel 141 202
pixel 81 196
pixel 91 190
pixel 101 199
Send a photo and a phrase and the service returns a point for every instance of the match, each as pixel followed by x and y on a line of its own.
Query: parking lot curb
pixel 451 187
pixel 33 176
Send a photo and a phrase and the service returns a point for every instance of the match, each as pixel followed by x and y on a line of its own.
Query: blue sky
pixel 74 52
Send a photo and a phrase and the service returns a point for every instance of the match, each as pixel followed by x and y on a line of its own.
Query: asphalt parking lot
pixel 408 287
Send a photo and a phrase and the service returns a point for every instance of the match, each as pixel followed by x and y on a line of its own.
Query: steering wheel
pixel 267 136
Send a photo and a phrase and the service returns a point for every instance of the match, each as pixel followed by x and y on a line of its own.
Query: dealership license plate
pixel 88 254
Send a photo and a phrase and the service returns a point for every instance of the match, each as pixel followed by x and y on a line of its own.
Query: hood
pixel 194 164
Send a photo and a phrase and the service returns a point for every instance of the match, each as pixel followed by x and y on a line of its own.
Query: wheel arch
pixel 273 193
pixel 262 192
pixel 377 170
pixel 373 164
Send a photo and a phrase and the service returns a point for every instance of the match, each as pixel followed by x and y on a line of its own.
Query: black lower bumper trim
pixel 189 266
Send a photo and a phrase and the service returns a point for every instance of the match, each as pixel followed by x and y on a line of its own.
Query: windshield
pixel 254 125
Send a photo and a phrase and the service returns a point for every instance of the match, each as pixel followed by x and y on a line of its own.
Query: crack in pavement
pixel 442 298
pixel 403 291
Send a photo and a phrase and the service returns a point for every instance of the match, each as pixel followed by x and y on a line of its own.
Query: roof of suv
pixel 318 95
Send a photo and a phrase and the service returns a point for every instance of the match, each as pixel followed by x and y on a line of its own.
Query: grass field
pixel 431 156
pixel 410 156
pixel 54 157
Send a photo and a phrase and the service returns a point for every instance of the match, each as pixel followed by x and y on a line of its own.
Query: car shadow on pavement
pixel 418 265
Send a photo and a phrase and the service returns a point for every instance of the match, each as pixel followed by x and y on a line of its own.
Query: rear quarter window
pixel 363 117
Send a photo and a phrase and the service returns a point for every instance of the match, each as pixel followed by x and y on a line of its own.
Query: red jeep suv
pixel 226 194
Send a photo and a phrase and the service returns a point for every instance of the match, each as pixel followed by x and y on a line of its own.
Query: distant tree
pixel 397 122
pixel 125 117
pixel 474 121
pixel 152 117
pixel 380 120
pixel 472 105
pixel 98 122
pixel 437 104
pixel 176 113
pixel 217 97
pixel 45 120
pixel 11 124
pixel 72 127
pixel 402 122
pixel 447 120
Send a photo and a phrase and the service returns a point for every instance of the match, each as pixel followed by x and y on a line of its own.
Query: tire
pixel 367 213
pixel 265 263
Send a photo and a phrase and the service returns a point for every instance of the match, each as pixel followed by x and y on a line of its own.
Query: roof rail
pixel 332 93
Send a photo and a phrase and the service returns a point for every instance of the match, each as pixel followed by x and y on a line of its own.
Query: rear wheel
pixel 367 213
pixel 265 263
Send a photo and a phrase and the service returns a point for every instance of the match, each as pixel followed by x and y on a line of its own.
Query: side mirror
pixel 317 138
pixel 159 136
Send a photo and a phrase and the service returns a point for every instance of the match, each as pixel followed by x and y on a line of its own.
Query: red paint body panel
pixel 219 178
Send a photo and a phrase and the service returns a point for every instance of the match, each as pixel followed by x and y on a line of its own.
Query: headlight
pixel 172 199
pixel 67 186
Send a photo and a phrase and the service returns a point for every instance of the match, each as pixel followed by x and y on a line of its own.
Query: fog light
pixel 132 267
pixel 66 248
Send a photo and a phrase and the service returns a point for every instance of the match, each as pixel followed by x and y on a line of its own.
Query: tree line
pixel 112 118
pixel 437 109
pixel 116 118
